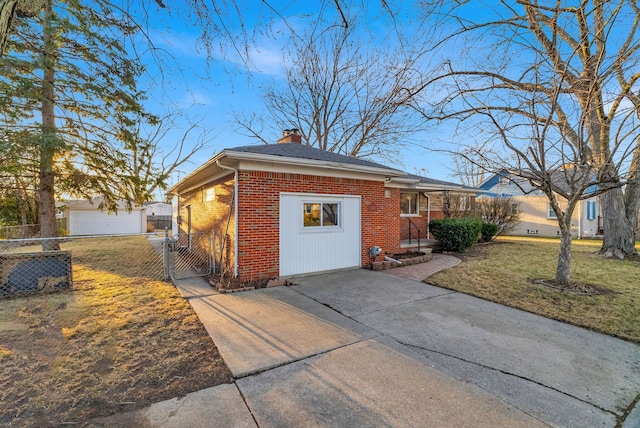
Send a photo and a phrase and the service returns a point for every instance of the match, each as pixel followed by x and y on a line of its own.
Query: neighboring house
pixel 85 218
pixel 159 215
pixel 287 208
pixel 536 215
pixel 155 208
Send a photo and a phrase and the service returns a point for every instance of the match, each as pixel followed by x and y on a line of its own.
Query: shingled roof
pixel 433 182
pixel 302 151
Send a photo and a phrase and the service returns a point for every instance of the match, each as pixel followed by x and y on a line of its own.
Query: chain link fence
pixel 190 255
pixel 37 265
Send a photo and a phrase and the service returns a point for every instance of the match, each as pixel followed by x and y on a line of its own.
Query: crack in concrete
pixel 351 317
pixel 626 412
pixel 244 399
pixel 614 414
pixel 619 418
pixel 286 363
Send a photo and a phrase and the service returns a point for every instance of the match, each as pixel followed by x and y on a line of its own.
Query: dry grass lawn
pixel 502 272
pixel 118 341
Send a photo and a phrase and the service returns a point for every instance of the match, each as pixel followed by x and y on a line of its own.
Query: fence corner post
pixel 213 252
pixel 165 254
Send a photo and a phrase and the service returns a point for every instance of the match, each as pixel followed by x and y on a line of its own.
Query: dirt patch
pixel 229 283
pixel 407 255
pixel 575 288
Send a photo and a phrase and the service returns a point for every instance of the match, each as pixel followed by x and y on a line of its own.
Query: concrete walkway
pixel 363 348
pixel 422 271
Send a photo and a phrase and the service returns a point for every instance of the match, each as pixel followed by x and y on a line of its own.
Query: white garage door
pixel 318 233
pixel 96 222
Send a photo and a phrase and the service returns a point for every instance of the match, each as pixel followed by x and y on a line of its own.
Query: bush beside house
pixel 456 235
pixel 488 231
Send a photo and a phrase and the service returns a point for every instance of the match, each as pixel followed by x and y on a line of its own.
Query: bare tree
pixel 574 76
pixel 468 170
pixel 342 97
pixel 143 166
pixel 547 88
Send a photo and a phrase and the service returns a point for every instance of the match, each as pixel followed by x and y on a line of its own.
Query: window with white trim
pixel 550 212
pixel 210 194
pixel 410 204
pixel 514 209
pixel 321 214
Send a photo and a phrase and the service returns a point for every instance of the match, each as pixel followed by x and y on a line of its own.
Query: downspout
pixel 428 212
pixel 235 220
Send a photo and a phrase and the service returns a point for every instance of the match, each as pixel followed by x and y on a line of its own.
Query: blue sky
pixel 210 90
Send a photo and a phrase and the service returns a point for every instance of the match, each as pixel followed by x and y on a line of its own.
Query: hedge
pixel 456 235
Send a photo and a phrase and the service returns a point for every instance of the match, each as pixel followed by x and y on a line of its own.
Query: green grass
pixel 502 272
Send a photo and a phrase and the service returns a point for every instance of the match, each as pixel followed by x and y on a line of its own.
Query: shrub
pixel 455 234
pixel 488 231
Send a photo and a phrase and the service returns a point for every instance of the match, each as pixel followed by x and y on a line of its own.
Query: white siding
pixel 315 249
pixel 96 222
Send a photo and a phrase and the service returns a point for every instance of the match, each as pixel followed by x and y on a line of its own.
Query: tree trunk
pixel 7 9
pixel 46 186
pixel 564 258
pixel 632 190
pixel 619 233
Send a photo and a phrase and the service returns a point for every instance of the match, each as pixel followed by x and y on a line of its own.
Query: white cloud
pixel 267 60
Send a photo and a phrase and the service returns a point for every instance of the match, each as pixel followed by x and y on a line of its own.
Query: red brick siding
pixel 259 216
pixel 207 216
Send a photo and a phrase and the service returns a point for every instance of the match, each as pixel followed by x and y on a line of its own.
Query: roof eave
pixel 173 190
pixel 387 172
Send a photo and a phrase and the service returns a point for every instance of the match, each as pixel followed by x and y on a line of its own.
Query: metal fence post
pixel 213 251
pixel 165 254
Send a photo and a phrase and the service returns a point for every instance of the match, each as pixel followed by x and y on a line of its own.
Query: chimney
pixel 290 136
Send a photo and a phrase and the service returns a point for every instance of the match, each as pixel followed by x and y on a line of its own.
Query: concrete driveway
pixel 363 348
pixel 558 373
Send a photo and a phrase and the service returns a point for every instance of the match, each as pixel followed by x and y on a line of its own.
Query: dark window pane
pixel 330 214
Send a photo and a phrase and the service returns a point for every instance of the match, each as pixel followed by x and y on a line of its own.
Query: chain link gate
pixel 190 255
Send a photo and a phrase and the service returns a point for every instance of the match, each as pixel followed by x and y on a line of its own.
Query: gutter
pixel 235 215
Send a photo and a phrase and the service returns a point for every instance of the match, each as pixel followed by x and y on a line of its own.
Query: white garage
pixel 84 218
pixel 319 232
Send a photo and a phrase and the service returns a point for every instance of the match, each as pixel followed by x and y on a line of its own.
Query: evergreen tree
pixel 70 81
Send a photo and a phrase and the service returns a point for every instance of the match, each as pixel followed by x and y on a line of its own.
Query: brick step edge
pixel 406 262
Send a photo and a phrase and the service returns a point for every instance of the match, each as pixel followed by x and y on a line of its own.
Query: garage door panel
pixel 314 249
pixel 90 222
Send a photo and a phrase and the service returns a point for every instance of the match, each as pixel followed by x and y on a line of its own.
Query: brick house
pixel 285 209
